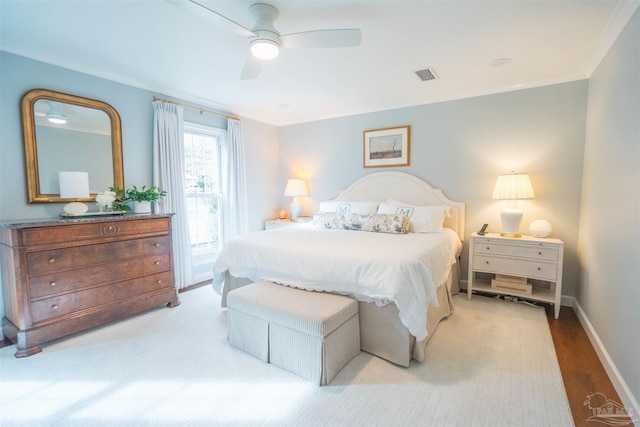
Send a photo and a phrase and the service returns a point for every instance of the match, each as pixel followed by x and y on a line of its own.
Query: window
pixel 203 195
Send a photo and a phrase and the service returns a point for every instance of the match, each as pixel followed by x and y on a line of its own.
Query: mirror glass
pixel 68 133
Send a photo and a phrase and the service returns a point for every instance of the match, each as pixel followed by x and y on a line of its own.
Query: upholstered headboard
pixel 407 188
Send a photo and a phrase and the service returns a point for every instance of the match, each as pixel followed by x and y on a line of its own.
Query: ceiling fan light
pixel 55 114
pixel 264 49
pixel 57 118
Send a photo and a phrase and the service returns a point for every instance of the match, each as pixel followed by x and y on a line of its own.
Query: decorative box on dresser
pixel 63 276
pixel 539 259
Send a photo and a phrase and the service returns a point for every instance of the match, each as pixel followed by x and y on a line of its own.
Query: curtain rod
pixel 202 110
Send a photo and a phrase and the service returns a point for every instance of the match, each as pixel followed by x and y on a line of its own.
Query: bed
pixel 403 282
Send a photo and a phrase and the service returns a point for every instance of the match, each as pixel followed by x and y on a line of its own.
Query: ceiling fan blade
pixel 210 15
pixel 252 68
pixel 323 38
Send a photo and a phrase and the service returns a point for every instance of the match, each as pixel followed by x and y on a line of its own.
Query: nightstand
pixel 539 260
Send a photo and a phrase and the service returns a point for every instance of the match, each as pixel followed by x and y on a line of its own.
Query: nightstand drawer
pixel 516 267
pixel 488 247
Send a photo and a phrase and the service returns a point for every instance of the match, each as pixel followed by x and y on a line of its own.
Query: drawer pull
pixel 52 260
pixel 488 248
pixel 539 253
pixel 157 245
pixel 52 284
pixel 539 269
pixel 157 262
pixel 54 307
pixel 486 262
pixel 158 281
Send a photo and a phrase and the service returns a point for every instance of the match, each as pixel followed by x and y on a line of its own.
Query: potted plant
pixel 143 197
pixel 120 202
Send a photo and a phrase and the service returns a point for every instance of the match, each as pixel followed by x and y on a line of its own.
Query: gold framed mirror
pixel 63 132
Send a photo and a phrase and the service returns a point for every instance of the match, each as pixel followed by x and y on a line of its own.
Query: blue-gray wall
pixel 609 240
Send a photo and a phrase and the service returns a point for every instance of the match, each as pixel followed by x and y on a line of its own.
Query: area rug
pixel 492 363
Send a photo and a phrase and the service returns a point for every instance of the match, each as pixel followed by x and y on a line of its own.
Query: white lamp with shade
pixel 296 188
pixel 74 185
pixel 512 187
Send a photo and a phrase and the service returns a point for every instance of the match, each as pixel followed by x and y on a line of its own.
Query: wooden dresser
pixel 63 276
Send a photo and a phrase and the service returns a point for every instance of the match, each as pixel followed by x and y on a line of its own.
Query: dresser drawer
pixel 71 280
pixel 516 267
pixel 51 261
pixel 92 230
pixel 534 251
pixel 89 298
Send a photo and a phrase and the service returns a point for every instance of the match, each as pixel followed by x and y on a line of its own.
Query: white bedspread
pixel 405 269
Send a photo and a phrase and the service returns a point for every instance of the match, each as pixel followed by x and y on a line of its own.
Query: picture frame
pixel 386 147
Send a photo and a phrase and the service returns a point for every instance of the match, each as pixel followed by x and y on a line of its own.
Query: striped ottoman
pixel 311 334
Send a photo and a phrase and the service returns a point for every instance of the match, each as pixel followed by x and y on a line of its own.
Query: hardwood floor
pixel 582 372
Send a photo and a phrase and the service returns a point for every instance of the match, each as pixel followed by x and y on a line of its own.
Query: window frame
pixel 203 260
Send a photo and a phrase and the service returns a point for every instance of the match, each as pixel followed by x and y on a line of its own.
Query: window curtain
pixel 234 183
pixel 168 174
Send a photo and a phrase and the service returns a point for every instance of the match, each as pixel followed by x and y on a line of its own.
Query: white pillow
pixel 423 218
pixel 349 207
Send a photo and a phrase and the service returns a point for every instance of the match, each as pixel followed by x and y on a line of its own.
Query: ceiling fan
pixel 264 40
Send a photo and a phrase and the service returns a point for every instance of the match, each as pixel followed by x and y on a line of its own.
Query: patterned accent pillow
pixel 378 223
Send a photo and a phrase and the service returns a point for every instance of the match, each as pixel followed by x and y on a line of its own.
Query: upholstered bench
pixel 311 334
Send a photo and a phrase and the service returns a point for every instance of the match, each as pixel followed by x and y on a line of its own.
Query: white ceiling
pixel 155 45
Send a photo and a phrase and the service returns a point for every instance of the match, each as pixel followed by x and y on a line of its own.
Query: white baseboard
pixel 628 400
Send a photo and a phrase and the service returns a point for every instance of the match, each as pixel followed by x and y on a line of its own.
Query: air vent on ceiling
pixel 427 74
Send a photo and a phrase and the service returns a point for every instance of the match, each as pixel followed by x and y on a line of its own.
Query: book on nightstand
pixel 511 283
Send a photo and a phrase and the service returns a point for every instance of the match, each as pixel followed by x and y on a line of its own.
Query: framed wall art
pixel 386 147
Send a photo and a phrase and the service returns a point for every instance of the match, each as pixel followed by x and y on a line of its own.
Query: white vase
pixel 142 207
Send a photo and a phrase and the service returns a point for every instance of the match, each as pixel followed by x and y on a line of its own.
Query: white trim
pixel 609 35
pixel 628 400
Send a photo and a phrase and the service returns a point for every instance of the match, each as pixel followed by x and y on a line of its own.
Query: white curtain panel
pixel 168 174
pixel 234 183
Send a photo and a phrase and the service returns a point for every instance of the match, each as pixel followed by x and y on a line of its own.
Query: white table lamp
pixel 295 188
pixel 512 187
pixel 74 185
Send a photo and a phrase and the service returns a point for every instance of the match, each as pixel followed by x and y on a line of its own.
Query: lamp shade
pixel 514 186
pixel 295 188
pixel 74 185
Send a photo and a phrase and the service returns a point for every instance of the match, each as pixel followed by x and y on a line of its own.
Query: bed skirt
pixel 381 332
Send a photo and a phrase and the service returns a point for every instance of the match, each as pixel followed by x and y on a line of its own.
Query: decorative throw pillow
pixel 349 207
pixel 379 223
pixel 423 219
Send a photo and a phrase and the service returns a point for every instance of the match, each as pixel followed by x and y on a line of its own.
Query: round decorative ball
pixel 540 228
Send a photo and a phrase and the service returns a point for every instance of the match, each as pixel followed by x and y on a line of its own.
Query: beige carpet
pixel 491 364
